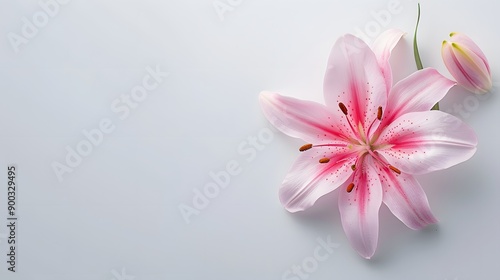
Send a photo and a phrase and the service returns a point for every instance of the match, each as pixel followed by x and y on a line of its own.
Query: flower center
pixel 361 135
pixel 362 143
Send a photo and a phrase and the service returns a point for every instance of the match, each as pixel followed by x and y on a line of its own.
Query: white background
pixel 116 215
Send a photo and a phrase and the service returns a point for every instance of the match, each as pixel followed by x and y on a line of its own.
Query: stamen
pixel 305 147
pixel 376 157
pixel 355 170
pixel 394 169
pixel 343 108
pixel 379 113
pixel 350 187
pixel 324 160
pixel 379 117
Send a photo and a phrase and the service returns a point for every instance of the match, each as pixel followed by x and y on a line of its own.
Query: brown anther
pixel 350 187
pixel 379 113
pixel 324 160
pixel 395 169
pixel 343 108
pixel 353 167
pixel 305 147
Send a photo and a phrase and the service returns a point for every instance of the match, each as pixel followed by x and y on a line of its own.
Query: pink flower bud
pixel 467 63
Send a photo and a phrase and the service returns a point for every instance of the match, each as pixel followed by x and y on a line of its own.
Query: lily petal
pixel 406 199
pixel 382 47
pixel 422 142
pixel 416 93
pixel 308 179
pixel 302 119
pixel 359 208
pixel 354 78
pixel 464 40
pixel 466 67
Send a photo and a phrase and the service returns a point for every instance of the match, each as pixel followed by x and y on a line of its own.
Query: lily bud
pixel 467 63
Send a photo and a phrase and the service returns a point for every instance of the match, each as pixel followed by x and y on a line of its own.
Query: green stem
pixel 435 107
pixel 415 47
pixel 418 61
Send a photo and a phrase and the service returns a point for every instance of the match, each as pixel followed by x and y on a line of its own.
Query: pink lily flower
pixel 467 63
pixel 369 139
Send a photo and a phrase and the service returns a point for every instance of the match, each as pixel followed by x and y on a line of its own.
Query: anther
pixel 379 113
pixel 324 160
pixel 305 147
pixel 395 169
pixel 343 108
pixel 353 167
pixel 350 187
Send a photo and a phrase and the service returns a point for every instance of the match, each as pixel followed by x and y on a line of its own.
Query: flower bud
pixel 467 63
